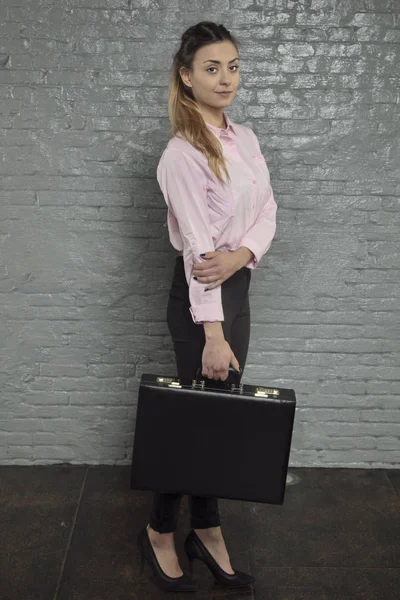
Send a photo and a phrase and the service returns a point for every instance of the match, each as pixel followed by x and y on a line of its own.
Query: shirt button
pixel 253 181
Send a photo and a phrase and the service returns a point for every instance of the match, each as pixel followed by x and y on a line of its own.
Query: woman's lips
pixel 224 93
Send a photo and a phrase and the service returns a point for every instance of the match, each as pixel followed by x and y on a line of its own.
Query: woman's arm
pixel 184 185
pixel 183 182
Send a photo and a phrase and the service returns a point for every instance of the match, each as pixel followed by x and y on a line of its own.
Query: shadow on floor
pixel 69 533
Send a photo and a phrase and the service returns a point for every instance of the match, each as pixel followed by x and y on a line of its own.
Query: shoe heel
pixel 192 552
pixel 196 549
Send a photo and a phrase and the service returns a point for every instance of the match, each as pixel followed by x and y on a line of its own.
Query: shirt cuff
pixel 205 313
pixel 205 306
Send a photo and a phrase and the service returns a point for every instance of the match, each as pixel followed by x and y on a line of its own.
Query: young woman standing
pixel 221 220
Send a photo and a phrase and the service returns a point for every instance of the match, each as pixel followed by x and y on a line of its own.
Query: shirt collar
pixel 219 130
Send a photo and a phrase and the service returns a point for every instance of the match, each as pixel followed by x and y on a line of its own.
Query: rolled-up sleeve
pixel 183 183
pixel 259 237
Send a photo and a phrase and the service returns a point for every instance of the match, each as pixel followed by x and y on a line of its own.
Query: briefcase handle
pixel 233 377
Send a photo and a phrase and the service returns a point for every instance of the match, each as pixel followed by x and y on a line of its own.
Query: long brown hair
pixel 183 109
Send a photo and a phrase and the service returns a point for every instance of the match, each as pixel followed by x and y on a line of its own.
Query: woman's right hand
pixel 217 358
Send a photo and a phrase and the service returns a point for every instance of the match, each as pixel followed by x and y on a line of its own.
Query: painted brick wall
pixel 85 261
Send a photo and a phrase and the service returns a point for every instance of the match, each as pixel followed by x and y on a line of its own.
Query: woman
pixel 221 226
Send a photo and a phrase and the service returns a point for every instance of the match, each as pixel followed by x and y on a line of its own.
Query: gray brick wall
pixel 85 262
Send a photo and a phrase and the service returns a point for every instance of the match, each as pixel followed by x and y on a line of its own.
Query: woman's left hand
pixel 217 267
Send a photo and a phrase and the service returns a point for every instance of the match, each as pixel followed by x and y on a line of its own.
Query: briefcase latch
pixel 198 385
pixel 265 392
pixel 237 388
pixel 170 381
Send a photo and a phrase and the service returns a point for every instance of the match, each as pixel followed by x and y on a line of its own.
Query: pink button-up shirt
pixel 204 216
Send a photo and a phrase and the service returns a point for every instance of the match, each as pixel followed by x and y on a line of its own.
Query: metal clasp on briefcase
pixel 262 392
pixel 198 384
pixel 170 381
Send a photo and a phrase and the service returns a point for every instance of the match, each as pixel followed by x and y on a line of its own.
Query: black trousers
pixel 189 339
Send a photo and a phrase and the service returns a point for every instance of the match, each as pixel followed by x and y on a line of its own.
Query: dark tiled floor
pixel 69 533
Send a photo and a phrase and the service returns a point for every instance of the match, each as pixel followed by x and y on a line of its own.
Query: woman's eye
pixel 234 66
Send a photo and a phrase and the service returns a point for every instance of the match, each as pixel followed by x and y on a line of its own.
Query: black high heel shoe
pixel 195 548
pixel 162 580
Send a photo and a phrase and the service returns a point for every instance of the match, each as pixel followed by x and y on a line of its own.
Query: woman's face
pixel 215 69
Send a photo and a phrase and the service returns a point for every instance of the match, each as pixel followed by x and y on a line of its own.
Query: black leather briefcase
pixel 212 438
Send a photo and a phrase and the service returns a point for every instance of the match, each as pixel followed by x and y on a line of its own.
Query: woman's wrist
pixel 244 255
pixel 213 330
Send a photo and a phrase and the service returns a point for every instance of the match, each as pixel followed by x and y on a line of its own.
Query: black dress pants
pixel 189 339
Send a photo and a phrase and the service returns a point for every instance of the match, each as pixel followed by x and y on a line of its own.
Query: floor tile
pixel 37 508
pixel 103 562
pixel 325 583
pixel 336 537
pixel 394 478
pixel 332 517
